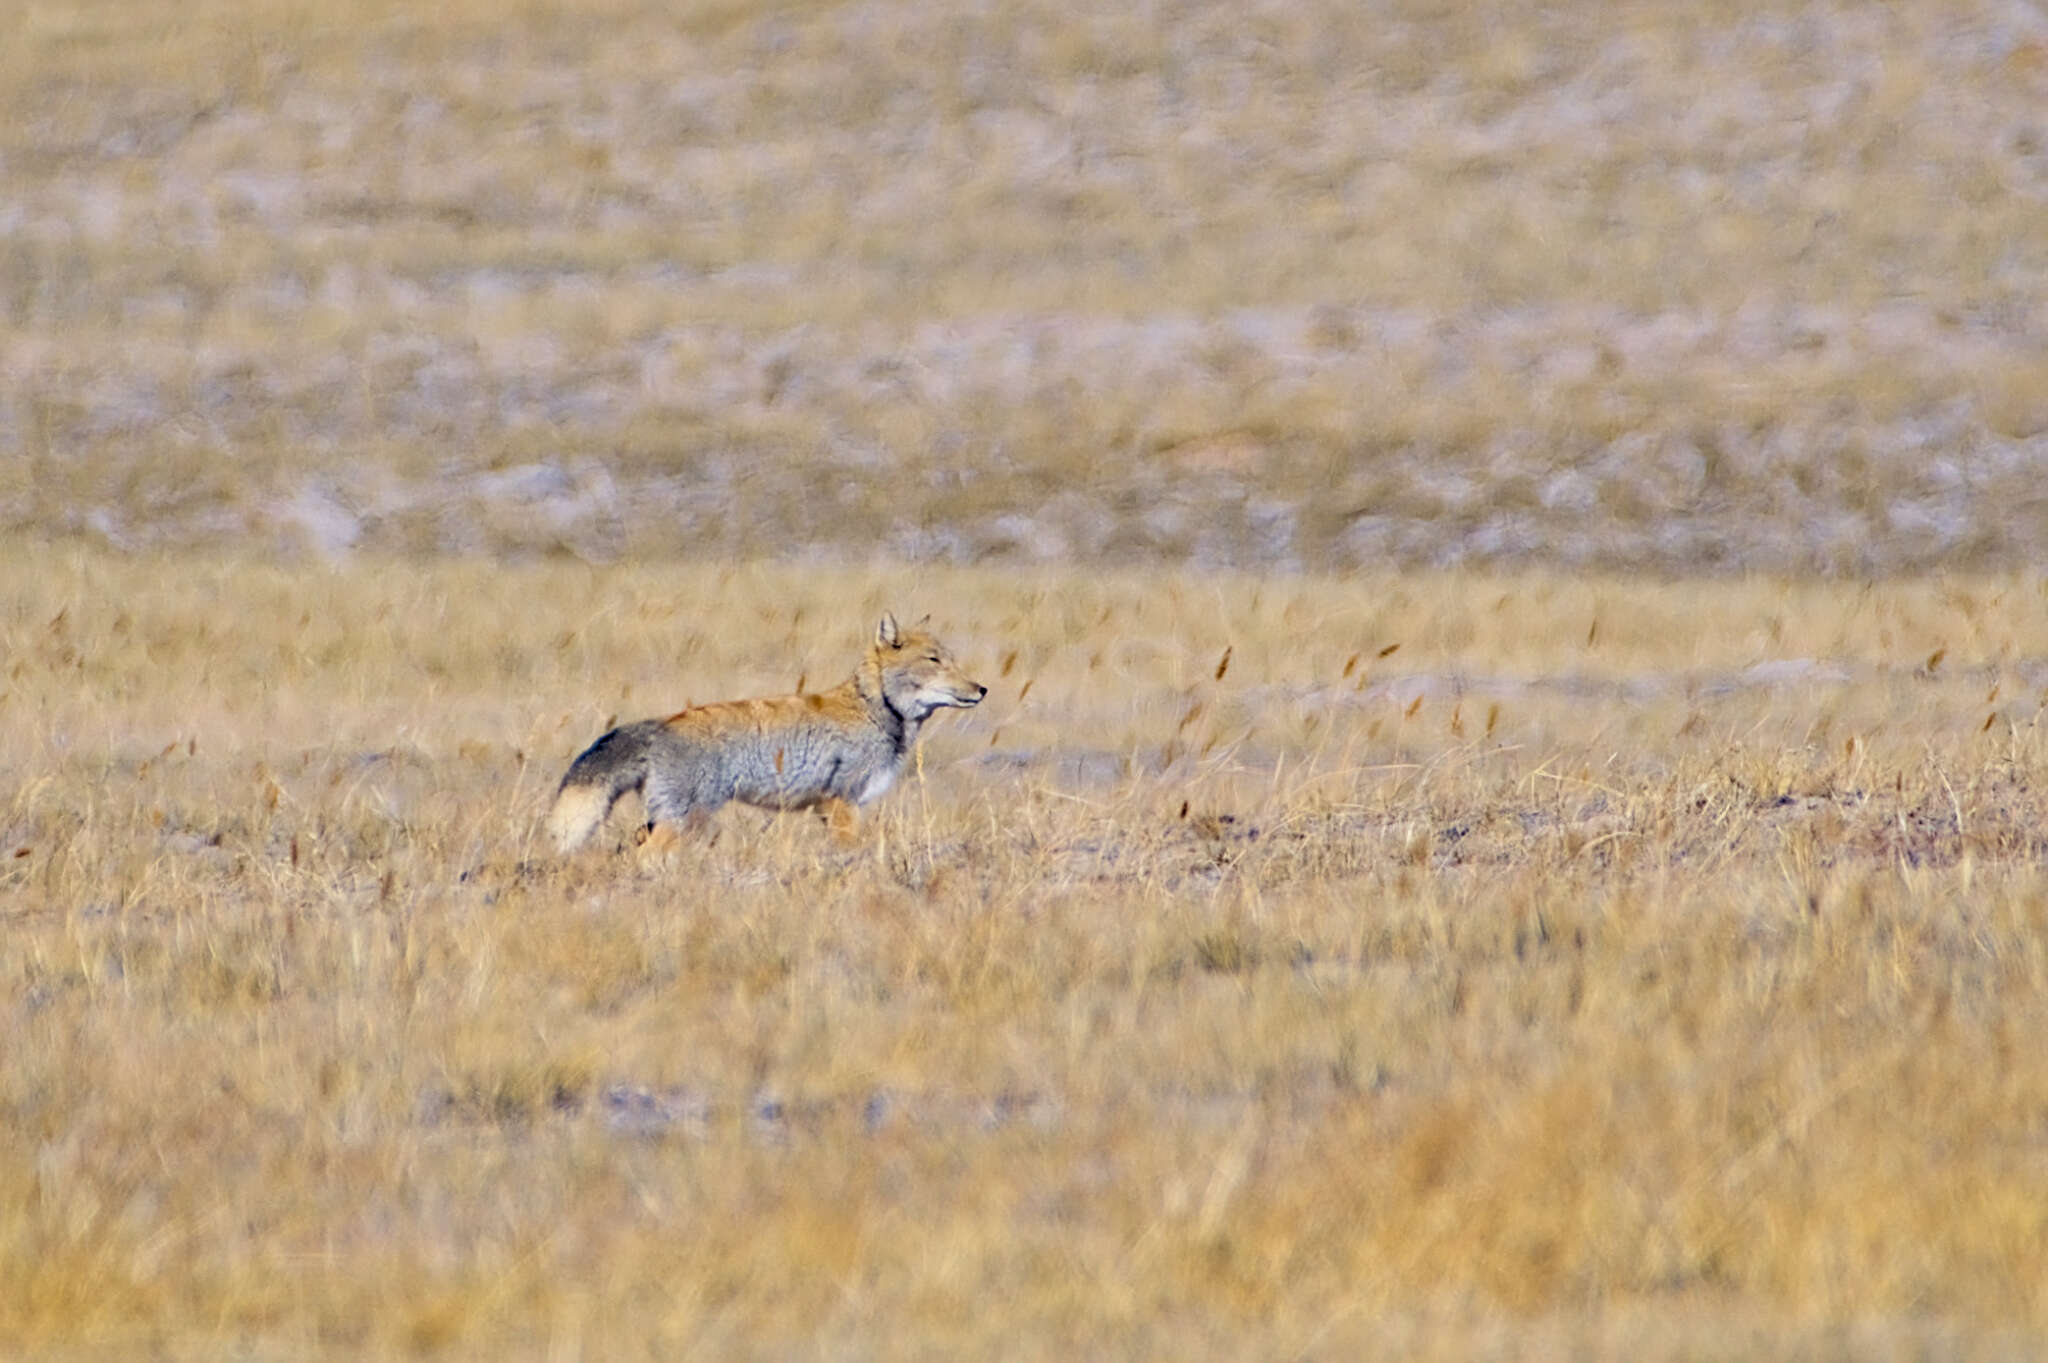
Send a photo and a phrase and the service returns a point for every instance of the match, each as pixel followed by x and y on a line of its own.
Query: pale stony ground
pixel 1696 288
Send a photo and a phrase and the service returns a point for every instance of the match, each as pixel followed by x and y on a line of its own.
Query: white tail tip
pixel 577 812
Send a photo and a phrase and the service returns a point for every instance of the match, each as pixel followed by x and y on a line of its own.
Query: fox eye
pixel 931 657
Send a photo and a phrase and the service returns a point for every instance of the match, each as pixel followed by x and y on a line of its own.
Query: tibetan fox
pixel 830 750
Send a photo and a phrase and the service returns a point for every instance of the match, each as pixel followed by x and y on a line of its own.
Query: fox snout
pixel 962 695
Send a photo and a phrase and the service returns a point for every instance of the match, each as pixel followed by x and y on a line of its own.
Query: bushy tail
pixel 606 770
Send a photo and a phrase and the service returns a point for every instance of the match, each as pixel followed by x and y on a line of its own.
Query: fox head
pixel 917 674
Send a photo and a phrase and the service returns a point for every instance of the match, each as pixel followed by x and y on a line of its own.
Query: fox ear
pixel 885 633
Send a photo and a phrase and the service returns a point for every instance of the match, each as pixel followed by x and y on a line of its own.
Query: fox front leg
pixel 843 818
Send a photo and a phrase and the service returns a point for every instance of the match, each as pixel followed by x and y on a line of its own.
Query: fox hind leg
pixel 662 837
pixel 657 840
pixel 673 811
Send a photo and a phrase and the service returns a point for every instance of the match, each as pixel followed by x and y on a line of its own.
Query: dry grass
pixel 1580 978
pixel 1275 285
pixel 1542 961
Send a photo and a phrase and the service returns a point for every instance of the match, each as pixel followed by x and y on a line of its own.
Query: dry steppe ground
pixel 1281 284
pixel 1506 540
pixel 1607 970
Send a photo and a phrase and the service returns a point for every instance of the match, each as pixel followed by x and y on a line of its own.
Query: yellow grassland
pixel 1506 924
pixel 1608 970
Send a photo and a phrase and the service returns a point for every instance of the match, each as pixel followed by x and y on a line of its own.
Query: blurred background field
pixel 1685 287
pixel 1506 543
